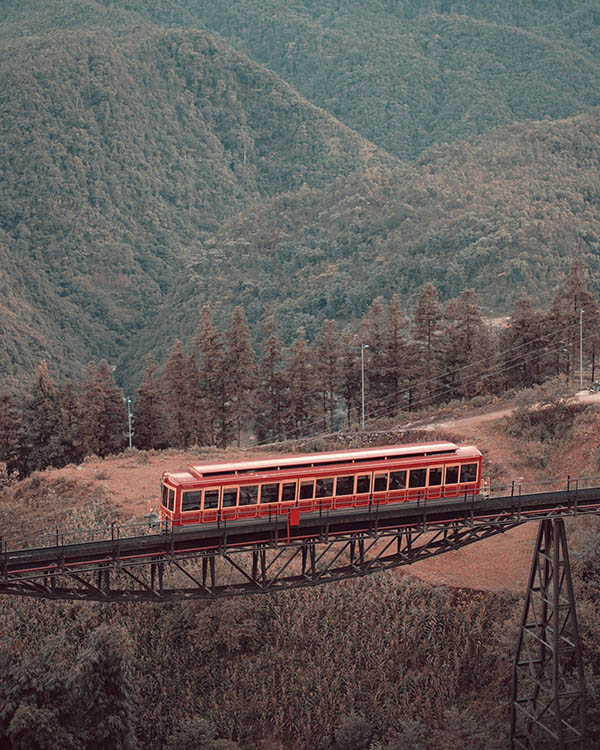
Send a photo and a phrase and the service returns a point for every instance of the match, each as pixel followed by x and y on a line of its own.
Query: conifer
pixel 240 373
pixel 326 355
pixel 209 347
pixel 69 408
pixel 271 396
pixel 350 375
pixel 44 424
pixel 373 332
pixel 300 376
pixel 175 392
pixel 102 413
pixel 427 316
pixel 12 436
pixel 398 357
pixel 149 417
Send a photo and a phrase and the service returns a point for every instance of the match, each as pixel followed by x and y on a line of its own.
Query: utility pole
pixel 129 430
pixel 581 350
pixel 362 379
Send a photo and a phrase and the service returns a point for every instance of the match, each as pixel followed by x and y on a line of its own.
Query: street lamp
pixel 129 432
pixel 362 380
pixel 581 350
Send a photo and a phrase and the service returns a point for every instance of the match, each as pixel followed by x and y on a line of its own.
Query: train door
pixel 229 503
pixel 210 506
pixel 451 481
pixel 417 485
pixel 434 482
pixel 364 483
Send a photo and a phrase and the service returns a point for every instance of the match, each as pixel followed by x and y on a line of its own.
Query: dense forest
pixel 156 157
pixel 503 213
pixel 216 390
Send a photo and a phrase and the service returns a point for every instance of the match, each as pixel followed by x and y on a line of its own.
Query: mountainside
pixel 119 153
pixel 503 213
pixel 155 156
pixel 404 74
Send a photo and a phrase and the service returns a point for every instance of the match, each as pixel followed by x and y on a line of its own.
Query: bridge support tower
pixel 548 687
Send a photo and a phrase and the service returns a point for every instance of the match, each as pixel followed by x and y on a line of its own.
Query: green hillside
pixel 405 74
pixel 503 213
pixel 119 153
pixel 157 155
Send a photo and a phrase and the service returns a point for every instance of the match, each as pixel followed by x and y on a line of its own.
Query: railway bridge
pixel 226 559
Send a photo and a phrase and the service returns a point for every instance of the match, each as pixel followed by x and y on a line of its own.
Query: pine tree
pixel 102 414
pixel 240 373
pixel 350 375
pixel 44 424
pixel 208 345
pixel 69 408
pixel 573 295
pixel 175 394
pixel 372 334
pixel 197 423
pixel 427 316
pixel 326 355
pixel 300 376
pixel 149 418
pixel 12 437
pixel 397 360
pixel 465 337
pixel 523 346
pixel 271 396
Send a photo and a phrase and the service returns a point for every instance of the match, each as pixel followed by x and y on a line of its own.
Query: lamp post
pixel 362 380
pixel 129 432
pixel 581 350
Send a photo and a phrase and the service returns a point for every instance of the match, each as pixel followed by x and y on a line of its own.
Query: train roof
pixel 273 463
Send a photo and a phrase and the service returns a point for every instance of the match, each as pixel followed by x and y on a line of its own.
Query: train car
pixel 295 484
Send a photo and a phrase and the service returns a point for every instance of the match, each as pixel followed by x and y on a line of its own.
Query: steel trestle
pixel 548 687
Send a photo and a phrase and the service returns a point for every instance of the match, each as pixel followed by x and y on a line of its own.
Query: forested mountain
pixel 405 74
pixel 119 152
pixel 503 213
pixel 155 156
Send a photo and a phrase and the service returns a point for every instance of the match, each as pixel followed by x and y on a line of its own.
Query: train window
pixel 269 493
pixel 249 495
pixel 452 474
pixel 168 498
pixel 192 500
pixel 307 489
pixel 380 483
pixel 324 487
pixel 230 497
pixel 345 486
pixel 397 480
pixel 363 483
pixel 435 476
pixel 288 491
pixel 468 472
pixel 211 499
pixel 417 478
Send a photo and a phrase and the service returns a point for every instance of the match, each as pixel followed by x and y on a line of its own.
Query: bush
pixel 353 733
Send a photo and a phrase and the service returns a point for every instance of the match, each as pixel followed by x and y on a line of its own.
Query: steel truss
pixel 238 571
pixel 548 687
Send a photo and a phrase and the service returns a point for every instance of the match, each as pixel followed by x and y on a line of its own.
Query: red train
pixel 294 484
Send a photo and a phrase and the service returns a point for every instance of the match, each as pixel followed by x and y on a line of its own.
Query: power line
pixel 442 388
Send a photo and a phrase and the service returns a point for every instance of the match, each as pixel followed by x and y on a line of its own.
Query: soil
pixel 501 563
